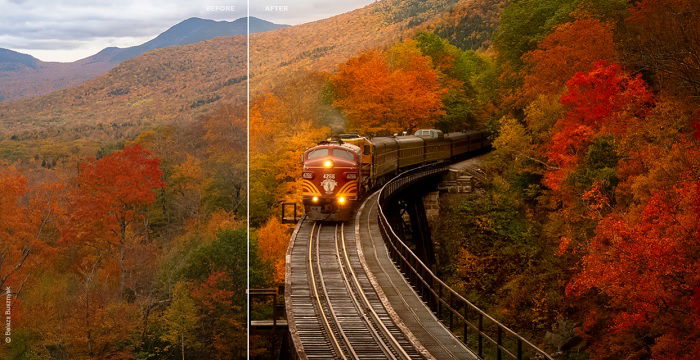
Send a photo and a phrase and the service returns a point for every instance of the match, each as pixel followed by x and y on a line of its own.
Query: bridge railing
pixel 480 332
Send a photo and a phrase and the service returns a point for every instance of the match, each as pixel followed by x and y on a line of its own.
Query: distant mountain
pixel 12 60
pixel 22 75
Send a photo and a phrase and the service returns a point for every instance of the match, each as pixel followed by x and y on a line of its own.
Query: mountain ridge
pixel 10 58
pixel 22 75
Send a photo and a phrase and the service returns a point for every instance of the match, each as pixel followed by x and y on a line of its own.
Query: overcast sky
pixel 68 30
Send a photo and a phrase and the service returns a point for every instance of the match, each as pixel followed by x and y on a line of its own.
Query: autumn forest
pixel 123 225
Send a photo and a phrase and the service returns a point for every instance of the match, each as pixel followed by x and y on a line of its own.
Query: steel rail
pixel 367 304
pixel 331 334
pixel 370 322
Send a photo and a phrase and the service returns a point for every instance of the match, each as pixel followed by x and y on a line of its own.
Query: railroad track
pixel 335 310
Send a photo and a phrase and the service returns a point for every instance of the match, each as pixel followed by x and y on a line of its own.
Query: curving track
pixel 346 298
pixel 335 312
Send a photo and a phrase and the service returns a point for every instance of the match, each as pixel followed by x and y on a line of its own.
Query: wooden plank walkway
pixel 405 306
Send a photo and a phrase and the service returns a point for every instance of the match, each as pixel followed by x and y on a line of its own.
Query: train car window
pixel 318 153
pixel 343 154
pixel 366 150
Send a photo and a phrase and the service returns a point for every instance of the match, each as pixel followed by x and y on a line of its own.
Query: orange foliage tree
pixel 225 135
pixel 570 48
pixel 273 238
pixel 215 303
pixel 266 119
pixel 186 182
pixel 282 127
pixel 392 91
pixel 28 218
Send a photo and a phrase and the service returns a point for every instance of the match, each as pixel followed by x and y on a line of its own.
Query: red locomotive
pixel 330 177
pixel 338 173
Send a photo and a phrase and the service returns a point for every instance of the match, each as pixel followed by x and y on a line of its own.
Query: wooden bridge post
pixel 466 324
pixel 438 299
pixel 480 345
pixel 499 343
pixel 450 309
pixel 520 349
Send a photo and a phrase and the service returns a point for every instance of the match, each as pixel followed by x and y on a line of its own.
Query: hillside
pixel 155 87
pixel 299 49
pixel 180 83
pixel 23 76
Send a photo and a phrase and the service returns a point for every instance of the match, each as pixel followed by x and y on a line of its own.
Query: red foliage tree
pixel 109 198
pixel 605 100
pixel 647 265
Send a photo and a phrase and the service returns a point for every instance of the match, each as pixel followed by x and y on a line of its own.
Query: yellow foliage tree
pixel 181 319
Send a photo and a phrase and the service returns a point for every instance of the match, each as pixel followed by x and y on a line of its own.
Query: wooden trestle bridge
pixel 358 290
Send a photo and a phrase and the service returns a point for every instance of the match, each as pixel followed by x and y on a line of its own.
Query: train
pixel 338 172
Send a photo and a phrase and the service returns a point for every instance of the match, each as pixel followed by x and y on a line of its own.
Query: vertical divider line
pixel 247 176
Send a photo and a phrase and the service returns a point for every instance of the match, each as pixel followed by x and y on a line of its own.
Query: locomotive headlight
pixel 314 199
pixel 351 176
pixel 341 200
pixel 307 175
pixel 328 163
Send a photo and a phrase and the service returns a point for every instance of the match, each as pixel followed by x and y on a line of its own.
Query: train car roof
pixel 382 140
pixel 408 139
pixel 469 132
pixel 456 134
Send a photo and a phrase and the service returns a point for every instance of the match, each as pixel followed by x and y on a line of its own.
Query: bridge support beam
pixel 421 231
pixel 411 223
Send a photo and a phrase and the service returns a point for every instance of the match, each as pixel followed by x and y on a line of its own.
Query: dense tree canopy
pixel 393 91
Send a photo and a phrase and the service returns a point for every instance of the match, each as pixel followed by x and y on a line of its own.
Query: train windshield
pixel 316 154
pixel 343 154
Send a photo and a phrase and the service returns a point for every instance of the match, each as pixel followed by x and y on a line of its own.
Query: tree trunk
pixel 122 251
pixel 182 344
